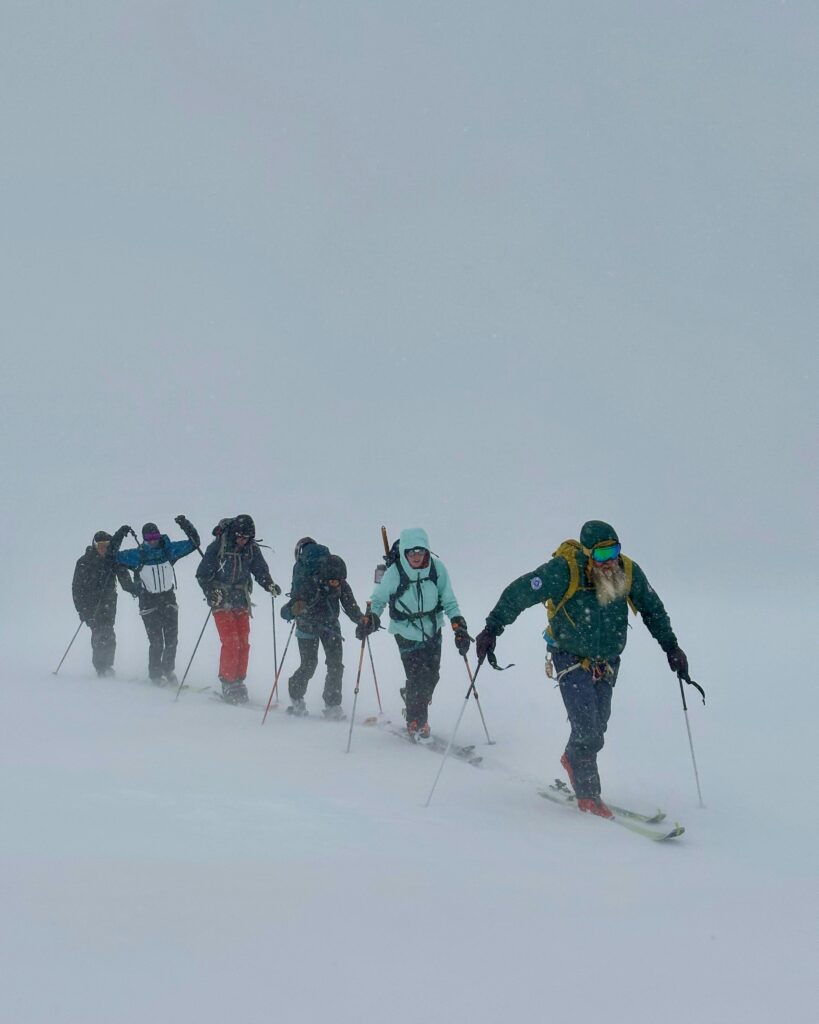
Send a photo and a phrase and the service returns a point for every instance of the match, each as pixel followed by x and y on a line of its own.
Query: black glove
pixel 215 597
pixel 286 611
pixel 273 588
pixel 298 607
pixel 485 643
pixel 462 637
pixel 117 539
pixel 677 661
pixel 368 624
pixel 187 527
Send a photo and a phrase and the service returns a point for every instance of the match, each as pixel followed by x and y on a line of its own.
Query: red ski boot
pixel 564 760
pixel 594 805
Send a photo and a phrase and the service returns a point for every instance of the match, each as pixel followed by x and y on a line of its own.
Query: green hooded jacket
pixel 583 626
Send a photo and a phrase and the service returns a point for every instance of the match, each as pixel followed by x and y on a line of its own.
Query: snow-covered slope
pixel 178 862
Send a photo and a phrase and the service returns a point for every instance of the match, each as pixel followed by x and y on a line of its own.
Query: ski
pixel 252 704
pixel 316 718
pixel 649 819
pixel 438 746
pixel 560 793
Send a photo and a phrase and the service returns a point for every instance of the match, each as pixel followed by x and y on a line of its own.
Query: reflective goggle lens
pixel 416 551
pixel 607 553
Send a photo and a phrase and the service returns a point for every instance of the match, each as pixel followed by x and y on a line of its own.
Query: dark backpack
pixel 308 566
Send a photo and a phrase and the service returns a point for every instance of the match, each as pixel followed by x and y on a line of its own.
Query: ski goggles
pixel 606 552
pixel 416 551
pixel 150 537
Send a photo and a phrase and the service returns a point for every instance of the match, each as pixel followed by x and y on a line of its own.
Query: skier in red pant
pixel 224 575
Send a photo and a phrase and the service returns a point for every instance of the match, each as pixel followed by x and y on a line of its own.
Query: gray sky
pixel 489 268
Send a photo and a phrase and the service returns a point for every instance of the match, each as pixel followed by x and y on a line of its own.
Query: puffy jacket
pixel 423 600
pixel 583 626
pixel 93 586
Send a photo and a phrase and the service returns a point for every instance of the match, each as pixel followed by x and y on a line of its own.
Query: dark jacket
pixel 583 626
pixel 230 569
pixel 94 584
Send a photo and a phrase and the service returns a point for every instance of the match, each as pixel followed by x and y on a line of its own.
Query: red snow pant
pixel 234 632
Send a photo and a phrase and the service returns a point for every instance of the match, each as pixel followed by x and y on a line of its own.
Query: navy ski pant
pixel 308 649
pixel 103 638
pixel 422 665
pixel 160 616
pixel 588 702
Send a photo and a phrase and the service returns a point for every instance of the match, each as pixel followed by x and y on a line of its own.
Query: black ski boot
pixel 235 692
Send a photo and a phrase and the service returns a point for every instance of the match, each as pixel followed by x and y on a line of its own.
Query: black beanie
pixel 149 528
pixel 101 535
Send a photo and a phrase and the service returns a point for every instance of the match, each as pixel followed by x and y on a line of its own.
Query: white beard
pixel 610 586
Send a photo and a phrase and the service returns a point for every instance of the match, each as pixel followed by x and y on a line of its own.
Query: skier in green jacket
pixel 587 588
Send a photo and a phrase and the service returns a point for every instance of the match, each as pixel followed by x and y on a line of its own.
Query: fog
pixel 490 269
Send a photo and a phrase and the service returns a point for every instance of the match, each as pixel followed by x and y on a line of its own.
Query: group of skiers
pixel 587 587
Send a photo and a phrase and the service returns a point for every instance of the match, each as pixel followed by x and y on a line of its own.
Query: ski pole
pixel 682 679
pixel 278 673
pixel 364 643
pixel 196 648
pixel 71 644
pixel 489 740
pixel 77 633
pixel 469 692
pixel 275 655
pixel 375 677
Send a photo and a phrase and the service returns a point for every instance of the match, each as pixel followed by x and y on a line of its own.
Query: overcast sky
pixel 488 268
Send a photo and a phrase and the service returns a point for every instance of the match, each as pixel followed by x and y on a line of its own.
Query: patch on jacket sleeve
pixel 536 582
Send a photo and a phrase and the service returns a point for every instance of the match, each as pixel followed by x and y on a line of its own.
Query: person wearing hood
pixel 94 591
pixel 417 589
pixel 153 565
pixel 587 588
pixel 319 591
pixel 226 573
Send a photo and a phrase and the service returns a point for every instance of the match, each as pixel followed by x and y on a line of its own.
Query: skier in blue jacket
pixel 417 589
pixel 153 565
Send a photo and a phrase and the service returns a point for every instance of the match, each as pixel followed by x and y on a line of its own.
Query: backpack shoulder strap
pixel 628 565
pixel 568 551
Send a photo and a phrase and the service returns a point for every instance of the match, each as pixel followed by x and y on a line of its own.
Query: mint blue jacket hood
pixel 422 595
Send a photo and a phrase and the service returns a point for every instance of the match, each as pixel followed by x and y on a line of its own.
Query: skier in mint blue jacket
pixel 417 589
pixel 155 577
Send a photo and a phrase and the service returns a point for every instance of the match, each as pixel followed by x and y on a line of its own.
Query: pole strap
pixel 686 678
pixel 493 661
